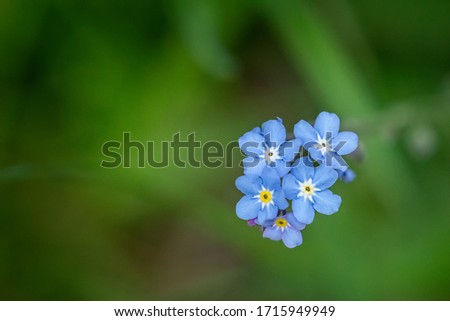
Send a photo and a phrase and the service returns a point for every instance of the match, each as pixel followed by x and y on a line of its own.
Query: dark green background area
pixel 75 74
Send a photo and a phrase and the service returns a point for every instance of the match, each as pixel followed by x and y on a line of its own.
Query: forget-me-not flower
pixel 324 142
pixel 307 187
pixel 267 147
pixel 263 196
pixel 285 228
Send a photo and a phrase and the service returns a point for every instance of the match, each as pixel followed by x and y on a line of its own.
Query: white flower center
pixel 323 145
pixel 271 154
pixel 307 189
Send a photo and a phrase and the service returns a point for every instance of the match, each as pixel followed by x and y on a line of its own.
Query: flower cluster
pixel 275 172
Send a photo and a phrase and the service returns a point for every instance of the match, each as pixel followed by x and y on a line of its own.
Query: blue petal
pixel 291 238
pixel 272 233
pixel 324 177
pixel 247 207
pixel 333 160
pixel 249 184
pixel 254 166
pixel 274 132
pixel 256 130
pixel 305 132
pixel 281 167
pixel 252 144
pixel 326 202
pixel 280 200
pixel 290 186
pixel 345 143
pixel 327 124
pixel 268 213
pixel 337 162
pixel 316 154
pixel 303 169
pixel 270 178
pixel 268 223
pixel 303 210
pixel 294 222
pixel 290 149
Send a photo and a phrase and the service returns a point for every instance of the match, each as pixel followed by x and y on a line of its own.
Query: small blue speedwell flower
pixel 267 147
pixel 307 187
pixel 263 196
pixel 273 173
pixel 324 142
pixel 285 228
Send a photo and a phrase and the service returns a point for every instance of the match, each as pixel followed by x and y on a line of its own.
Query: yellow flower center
pixel 281 222
pixel 308 189
pixel 265 196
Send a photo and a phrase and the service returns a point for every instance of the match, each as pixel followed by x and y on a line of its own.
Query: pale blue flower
pixel 267 147
pixel 307 187
pixel 263 196
pixel 324 142
pixel 285 228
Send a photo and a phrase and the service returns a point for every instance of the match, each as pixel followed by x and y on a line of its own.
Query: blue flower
pixel 307 187
pixel 347 176
pixel 267 147
pixel 324 142
pixel 285 228
pixel 263 196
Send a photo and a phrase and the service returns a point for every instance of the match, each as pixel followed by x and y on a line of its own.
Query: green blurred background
pixel 75 74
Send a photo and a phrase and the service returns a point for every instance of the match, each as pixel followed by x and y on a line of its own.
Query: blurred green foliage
pixel 74 75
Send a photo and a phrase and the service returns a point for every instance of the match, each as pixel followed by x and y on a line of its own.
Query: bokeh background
pixel 75 74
